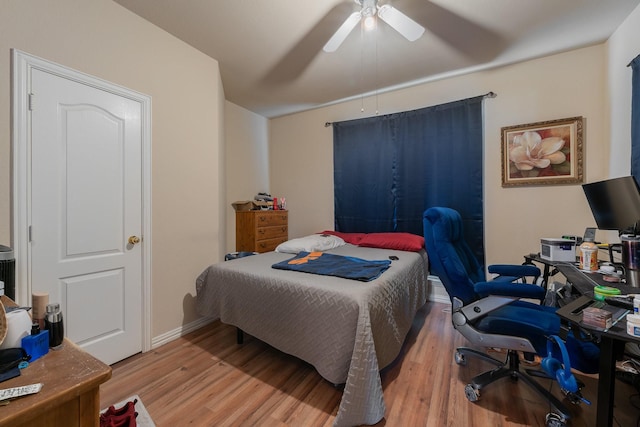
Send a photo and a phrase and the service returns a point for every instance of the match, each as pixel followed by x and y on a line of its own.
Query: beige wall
pixel 101 38
pixel 247 161
pixel 554 87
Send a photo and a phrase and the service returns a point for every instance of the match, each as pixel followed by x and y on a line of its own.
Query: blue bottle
pixel 37 344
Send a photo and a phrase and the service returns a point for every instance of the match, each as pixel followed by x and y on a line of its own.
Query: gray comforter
pixel 348 330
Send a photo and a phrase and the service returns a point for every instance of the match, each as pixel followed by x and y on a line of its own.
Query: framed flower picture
pixel 543 153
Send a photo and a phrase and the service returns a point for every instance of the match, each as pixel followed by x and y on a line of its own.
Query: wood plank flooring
pixel 206 379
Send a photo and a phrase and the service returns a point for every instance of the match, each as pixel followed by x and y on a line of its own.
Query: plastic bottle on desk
pixel 588 256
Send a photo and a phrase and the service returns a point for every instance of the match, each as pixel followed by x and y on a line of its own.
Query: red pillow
pixel 400 241
pixel 353 238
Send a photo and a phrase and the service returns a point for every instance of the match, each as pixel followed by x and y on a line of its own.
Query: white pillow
pixel 312 243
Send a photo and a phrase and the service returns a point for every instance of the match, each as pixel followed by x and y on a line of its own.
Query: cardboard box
pixel 241 206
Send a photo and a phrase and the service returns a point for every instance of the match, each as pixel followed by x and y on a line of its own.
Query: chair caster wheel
pixel 555 420
pixel 460 359
pixel 472 393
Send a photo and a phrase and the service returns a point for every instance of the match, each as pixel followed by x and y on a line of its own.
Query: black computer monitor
pixel 615 203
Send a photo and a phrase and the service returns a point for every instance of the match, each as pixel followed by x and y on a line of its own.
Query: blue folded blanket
pixel 335 265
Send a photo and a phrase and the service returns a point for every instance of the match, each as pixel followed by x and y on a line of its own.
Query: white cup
pixel 18 326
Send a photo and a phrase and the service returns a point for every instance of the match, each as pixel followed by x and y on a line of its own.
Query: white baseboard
pixel 437 292
pixel 178 332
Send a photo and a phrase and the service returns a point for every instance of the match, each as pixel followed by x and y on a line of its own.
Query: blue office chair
pixel 489 314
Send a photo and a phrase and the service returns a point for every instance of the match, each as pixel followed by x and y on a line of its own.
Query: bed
pixel 347 329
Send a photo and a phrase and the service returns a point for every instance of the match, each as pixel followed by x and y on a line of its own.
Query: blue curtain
pixel 635 118
pixel 389 169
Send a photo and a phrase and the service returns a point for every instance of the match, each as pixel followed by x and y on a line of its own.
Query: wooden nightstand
pixel 261 231
pixel 70 395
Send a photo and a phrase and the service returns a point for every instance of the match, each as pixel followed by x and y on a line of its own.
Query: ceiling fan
pixel 400 22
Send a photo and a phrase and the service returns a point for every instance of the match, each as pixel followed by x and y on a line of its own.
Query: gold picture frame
pixel 543 153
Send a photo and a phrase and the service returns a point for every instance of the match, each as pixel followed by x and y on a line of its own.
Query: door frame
pixel 22 64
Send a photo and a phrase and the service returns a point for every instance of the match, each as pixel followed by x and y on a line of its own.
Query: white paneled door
pixel 86 211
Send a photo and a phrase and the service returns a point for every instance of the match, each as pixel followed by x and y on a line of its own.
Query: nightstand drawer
pixel 271 218
pixel 271 232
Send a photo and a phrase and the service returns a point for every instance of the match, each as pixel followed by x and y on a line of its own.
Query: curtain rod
pixel 486 95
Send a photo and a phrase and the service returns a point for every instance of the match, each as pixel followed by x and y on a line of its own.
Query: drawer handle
pixel 261 231
pixel 284 229
pixel 263 245
pixel 262 218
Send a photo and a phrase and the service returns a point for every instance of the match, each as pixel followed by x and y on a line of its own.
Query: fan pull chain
pixel 377 79
pixel 362 68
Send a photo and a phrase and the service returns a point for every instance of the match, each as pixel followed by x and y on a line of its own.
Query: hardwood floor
pixel 206 379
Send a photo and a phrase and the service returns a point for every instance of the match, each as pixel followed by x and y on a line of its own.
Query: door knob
pixel 134 240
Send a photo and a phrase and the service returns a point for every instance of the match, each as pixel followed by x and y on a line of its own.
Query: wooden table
pixel 69 397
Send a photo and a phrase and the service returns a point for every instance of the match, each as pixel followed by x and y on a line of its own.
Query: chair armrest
pixel 514 270
pixel 521 290
pixel 480 308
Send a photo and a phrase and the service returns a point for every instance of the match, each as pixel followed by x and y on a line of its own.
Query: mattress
pixel 347 329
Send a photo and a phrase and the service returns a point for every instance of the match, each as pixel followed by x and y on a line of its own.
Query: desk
pixel 69 397
pixel 612 341
pixel 548 266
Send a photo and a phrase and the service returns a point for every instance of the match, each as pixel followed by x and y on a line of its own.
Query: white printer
pixel 557 249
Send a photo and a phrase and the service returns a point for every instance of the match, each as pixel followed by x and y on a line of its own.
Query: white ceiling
pixel 272 62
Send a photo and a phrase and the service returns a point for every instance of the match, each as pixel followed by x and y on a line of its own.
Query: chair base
pixel 509 368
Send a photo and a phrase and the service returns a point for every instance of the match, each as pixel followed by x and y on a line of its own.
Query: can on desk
pixel 633 324
pixel 588 256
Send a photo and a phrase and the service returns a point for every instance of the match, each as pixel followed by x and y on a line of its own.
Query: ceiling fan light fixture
pixel 369 23
pixel 368 13
pixel 367 7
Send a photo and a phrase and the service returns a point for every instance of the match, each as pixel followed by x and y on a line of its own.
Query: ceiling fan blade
pixel 336 40
pixel 400 22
